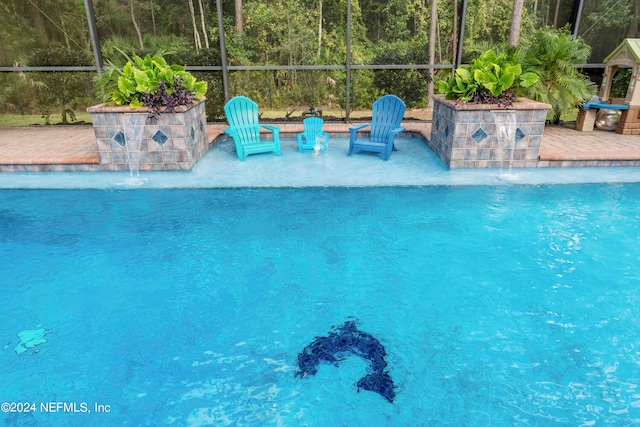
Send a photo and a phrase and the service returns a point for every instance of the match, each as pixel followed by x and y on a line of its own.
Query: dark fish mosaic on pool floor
pixel 334 348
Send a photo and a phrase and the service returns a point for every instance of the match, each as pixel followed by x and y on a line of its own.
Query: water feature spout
pixel 312 111
pixel 505 131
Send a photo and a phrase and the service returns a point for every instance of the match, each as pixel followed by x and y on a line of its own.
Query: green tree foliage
pixel 27 25
pixel 489 22
pixel 291 33
pixel 281 32
pixel 620 83
pixel 410 85
pixel 154 17
pixel 215 92
pixel 17 93
pixel 617 19
pixel 61 92
pixel 16 35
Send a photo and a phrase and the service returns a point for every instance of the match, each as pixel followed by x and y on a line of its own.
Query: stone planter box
pixel 175 141
pixel 465 135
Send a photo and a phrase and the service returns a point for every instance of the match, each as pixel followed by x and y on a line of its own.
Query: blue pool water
pixel 497 306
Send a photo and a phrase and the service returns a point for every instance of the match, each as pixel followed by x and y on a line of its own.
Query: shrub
pixel 411 84
pixel 63 91
pixel 553 55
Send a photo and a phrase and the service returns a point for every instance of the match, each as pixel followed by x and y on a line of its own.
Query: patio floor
pixel 73 148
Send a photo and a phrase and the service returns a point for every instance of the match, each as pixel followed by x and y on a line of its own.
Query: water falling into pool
pixel 505 131
pixel 133 130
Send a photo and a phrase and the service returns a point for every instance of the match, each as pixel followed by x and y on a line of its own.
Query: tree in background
pixel 489 23
pixel 27 25
pixel 319 28
pixel 606 23
pixel 516 23
pixel 239 27
pixel 205 36
pixel 61 92
pixel 16 35
pixel 279 32
pixel 196 33
pixel 406 84
pixel 135 25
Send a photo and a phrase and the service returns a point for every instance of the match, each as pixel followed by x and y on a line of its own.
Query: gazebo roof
pixel 627 52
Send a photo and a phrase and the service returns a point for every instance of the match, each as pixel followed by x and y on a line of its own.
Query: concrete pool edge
pixel 186 180
pixel 413 165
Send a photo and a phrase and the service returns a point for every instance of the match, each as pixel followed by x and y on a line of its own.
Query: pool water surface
pixel 497 306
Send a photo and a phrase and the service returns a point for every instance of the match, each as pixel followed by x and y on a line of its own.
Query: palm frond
pixel 554 55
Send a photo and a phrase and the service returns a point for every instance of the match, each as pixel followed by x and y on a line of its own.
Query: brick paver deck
pixel 73 148
pixel 563 146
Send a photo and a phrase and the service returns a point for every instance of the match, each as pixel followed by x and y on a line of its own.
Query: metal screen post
pixel 463 21
pixel 93 34
pixel 348 62
pixel 577 16
pixel 223 52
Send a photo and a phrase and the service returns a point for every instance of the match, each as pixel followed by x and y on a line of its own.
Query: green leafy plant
pixel 554 55
pixel 139 80
pixel 620 83
pixel 489 79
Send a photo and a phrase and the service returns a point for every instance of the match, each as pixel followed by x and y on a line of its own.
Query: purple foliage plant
pixel 169 97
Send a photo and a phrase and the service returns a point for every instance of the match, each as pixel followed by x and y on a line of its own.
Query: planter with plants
pixel 171 103
pixel 480 122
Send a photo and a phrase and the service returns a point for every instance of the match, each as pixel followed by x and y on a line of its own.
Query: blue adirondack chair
pixel 312 131
pixel 242 115
pixel 385 125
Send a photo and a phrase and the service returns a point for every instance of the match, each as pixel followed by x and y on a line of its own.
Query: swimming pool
pixel 512 305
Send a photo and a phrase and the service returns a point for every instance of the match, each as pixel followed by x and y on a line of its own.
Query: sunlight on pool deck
pixel 414 164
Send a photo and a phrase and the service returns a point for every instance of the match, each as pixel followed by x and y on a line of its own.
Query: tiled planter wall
pixel 175 141
pixel 464 135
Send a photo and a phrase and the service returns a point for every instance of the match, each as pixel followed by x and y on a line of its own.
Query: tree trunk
pixel 319 27
pixel 196 34
pixel 38 22
pixel 135 25
pixel 239 20
pixel 516 22
pixel 432 50
pixel 633 26
pixel 153 19
pixel 64 33
pixel 204 27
